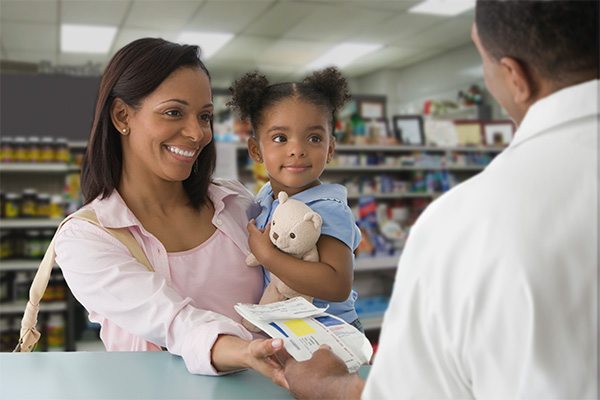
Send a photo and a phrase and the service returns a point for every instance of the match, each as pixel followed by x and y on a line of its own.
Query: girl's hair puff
pixel 248 93
pixel 252 94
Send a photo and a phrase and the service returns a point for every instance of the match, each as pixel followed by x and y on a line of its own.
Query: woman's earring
pixel 126 131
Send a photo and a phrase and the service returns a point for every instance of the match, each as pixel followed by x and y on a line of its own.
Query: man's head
pixel 533 48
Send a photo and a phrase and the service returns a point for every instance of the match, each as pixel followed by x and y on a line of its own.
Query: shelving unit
pixel 48 178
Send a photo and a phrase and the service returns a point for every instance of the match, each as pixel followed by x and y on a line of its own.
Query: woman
pixel 148 168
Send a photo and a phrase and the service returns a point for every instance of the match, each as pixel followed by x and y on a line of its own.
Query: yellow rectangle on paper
pixel 299 327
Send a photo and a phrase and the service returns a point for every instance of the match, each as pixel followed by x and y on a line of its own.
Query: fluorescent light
pixel 443 7
pixel 343 54
pixel 209 42
pixel 86 38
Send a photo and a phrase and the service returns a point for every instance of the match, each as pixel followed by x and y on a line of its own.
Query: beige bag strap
pixel 29 334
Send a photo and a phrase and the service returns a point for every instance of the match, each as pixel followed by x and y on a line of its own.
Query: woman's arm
pixel 329 279
pixel 108 281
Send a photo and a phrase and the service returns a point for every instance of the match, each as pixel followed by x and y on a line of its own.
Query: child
pixel 292 134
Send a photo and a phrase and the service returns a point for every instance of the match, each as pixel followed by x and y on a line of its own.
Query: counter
pixel 123 375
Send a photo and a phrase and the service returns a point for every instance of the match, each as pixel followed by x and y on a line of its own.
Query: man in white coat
pixel 496 293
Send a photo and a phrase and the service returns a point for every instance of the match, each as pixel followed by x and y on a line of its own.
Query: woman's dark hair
pixel 133 73
pixel 558 39
pixel 252 94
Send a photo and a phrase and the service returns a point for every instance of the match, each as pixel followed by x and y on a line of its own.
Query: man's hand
pixel 324 376
pixel 259 241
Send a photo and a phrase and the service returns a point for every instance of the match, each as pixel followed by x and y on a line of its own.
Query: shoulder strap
pixel 29 334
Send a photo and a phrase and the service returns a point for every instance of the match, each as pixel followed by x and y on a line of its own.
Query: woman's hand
pixel 231 353
pixel 259 241
pixel 261 356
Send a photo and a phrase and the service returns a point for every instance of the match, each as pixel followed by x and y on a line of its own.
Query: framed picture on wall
pixel 468 132
pixel 409 129
pixel 498 133
pixel 370 107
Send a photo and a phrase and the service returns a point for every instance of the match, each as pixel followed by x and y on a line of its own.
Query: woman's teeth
pixel 180 152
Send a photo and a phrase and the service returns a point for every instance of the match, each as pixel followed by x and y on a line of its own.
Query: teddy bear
pixel 295 230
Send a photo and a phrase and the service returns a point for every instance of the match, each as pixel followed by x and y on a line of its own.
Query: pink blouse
pixel 187 302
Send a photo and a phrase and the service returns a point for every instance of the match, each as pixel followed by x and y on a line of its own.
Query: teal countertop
pixel 123 375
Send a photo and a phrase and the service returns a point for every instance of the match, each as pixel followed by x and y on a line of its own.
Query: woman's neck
pixel 152 196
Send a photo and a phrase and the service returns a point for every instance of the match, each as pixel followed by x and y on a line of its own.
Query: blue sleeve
pixel 338 222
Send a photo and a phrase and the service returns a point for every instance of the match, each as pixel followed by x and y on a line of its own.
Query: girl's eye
pixel 293 235
pixel 173 113
pixel 315 139
pixel 279 139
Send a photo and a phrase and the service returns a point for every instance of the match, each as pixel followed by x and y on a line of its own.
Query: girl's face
pixel 295 143
pixel 170 127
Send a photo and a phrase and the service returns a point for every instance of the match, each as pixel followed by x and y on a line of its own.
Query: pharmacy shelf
pixel 408 149
pixel 18 307
pixel 399 195
pixel 376 263
pixel 380 168
pixel 20 265
pixel 22 223
pixel 38 168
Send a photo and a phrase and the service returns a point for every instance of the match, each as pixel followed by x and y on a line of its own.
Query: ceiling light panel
pixel 93 39
pixel 443 7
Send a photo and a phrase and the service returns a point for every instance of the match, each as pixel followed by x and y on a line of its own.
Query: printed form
pixel 304 327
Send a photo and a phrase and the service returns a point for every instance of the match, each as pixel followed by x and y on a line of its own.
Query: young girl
pixel 292 126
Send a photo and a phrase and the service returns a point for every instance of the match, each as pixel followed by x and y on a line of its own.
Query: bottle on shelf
pixel 55 332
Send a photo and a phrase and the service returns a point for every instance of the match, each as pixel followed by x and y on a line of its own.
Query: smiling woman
pixel 148 170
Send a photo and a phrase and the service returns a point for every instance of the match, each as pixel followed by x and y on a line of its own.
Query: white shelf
pixel 376 263
pixel 384 196
pixel 20 265
pixel 371 321
pixel 29 223
pixel 38 168
pixel 400 148
pixel 377 168
pixel 18 307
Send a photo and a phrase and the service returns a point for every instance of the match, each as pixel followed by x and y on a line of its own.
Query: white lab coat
pixel 496 292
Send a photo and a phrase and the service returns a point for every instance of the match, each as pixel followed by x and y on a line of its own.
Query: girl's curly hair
pixel 252 93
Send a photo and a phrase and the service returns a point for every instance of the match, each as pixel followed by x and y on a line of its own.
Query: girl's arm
pixel 329 279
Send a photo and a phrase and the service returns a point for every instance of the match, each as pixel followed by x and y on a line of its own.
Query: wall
pixel 440 77
pixel 47 105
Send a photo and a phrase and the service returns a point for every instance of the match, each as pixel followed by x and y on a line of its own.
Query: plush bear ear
pixel 282 196
pixel 315 218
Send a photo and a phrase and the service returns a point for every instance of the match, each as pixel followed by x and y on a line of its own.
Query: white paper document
pixel 304 327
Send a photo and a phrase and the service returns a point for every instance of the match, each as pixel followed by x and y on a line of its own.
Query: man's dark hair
pixel 132 74
pixel 557 39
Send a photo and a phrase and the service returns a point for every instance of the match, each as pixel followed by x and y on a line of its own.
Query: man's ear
pixel 119 116
pixel 254 150
pixel 519 83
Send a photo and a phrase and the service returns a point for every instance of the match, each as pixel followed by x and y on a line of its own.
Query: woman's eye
pixel 173 113
pixel 293 235
pixel 206 117
pixel 279 139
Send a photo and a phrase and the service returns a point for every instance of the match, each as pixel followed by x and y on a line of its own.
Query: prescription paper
pixel 304 327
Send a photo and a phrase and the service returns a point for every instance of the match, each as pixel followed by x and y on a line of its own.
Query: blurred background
pixel 420 120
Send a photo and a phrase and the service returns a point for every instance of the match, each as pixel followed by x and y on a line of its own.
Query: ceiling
pixel 278 37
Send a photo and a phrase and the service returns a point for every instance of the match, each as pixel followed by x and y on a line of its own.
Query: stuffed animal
pixel 295 230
